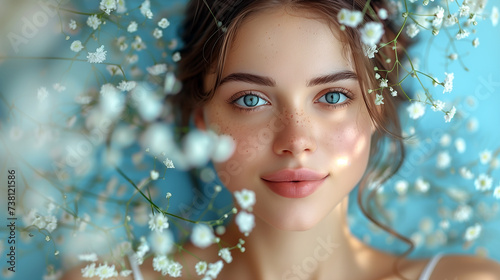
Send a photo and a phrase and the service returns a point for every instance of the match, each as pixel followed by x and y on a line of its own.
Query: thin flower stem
pixel 75 12
pixel 152 203
pixel 456 50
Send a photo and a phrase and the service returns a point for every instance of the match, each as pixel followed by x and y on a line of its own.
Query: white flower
pixel 58 87
pixel 438 17
pixel 421 185
pixel 174 269
pixel 412 30
pixel 464 10
pixel 224 148
pixel 201 267
pixel 214 269
pixel 472 232
pixel 379 99
pixel 158 138
pixel 485 156
pixel 42 94
pixel 450 114
pixel 72 24
pixel 450 20
pixel 131 59
pixel 198 147
pixel 225 254
pixel 443 160
pixel 93 21
pixel 147 103
pixel 202 236
pixel 448 82
pixel 438 105
pixel 475 42
pixel 142 249
pixel 416 110
pixel 483 182
pixel 349 18
pixel 462 33
pixel 463 213
pixel 371 33
pixel 176 57
pixel 383 83
pixel 157 33
pixel 114 70
pixel 146 9
pixel 401 187
pixel 444 224
pixel 245 198
pixel 466 173
pixel 161 263
pixel 126 85
pixel 496 192
pixel 132 27
pixel 108 5
pixel 158 222
pixel 154 175
pixel 120 42
pixel 45 222
pixel 157 69
pixel 88 257
pixel 168 163
pixel 111 102
pixel 138 44
pixel 76 46
pixel 121 7
pixel 494 15
pixel 89 271
pixel 163 23
pixel 382 14
pixel 245 222
pixel 370 51
pixel 105 271
pixel 98 56
pixel 460 145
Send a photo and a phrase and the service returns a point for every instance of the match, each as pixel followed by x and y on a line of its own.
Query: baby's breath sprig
pixel 415 18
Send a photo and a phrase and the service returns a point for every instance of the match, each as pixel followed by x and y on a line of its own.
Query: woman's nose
pixel 296 137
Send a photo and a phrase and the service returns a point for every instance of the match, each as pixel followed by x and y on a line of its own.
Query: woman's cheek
pixel 348 145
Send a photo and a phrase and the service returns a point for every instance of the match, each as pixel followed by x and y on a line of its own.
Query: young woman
pixel 291 88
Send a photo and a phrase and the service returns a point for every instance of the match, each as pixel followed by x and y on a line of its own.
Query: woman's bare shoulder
pixel 466 267
pixel 450 267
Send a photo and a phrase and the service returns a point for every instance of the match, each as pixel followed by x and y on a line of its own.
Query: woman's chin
pixel 292 222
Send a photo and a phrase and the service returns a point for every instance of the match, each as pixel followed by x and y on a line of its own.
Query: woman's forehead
pixel 286 46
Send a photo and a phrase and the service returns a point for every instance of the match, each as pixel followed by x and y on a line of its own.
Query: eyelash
pixel 349 97
pixel 348 94
pixel 239 95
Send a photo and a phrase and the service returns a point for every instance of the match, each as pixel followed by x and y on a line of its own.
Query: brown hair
pixel 211 25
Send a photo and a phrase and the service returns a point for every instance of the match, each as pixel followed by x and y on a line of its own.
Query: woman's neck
pixel 313 254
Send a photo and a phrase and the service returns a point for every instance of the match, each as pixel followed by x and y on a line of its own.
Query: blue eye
pixel 333 97
pixel 250 100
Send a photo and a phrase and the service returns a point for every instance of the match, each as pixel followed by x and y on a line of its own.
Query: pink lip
pixel 294 183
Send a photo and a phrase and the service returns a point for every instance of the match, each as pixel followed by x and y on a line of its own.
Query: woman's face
pixel 291 101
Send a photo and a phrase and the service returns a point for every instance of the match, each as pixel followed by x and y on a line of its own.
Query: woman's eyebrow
pixel 267 81
pixel 333 77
